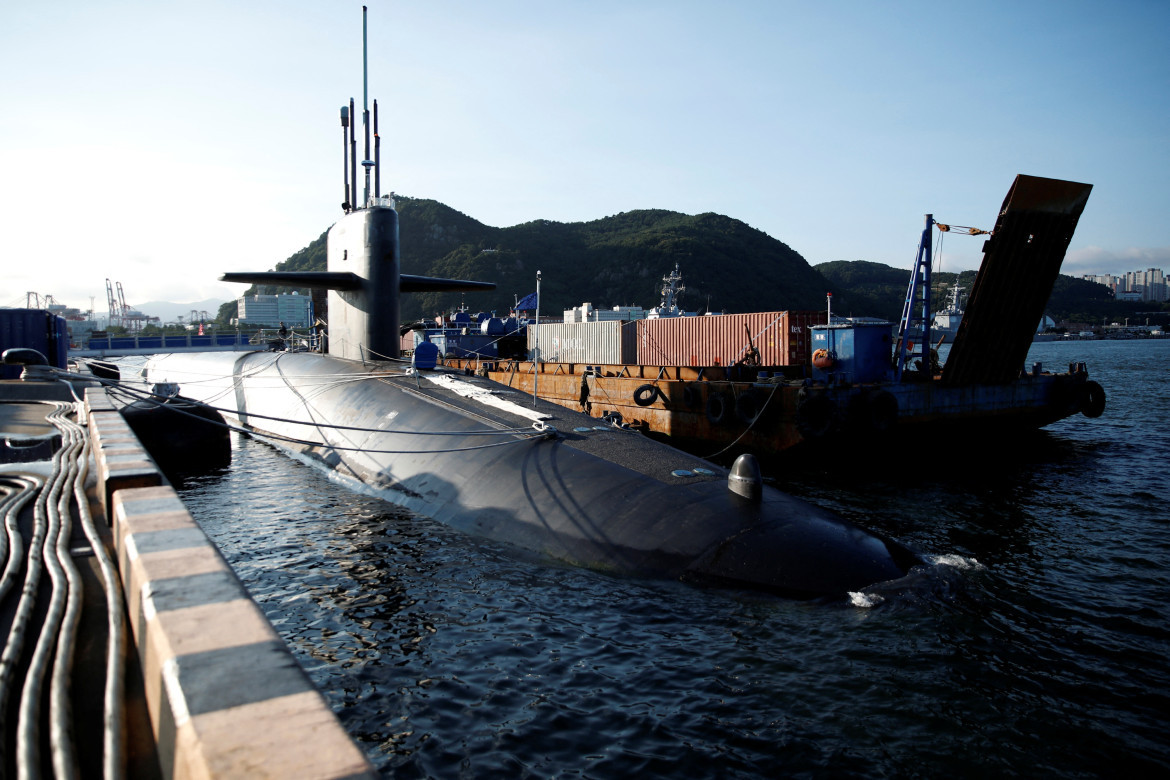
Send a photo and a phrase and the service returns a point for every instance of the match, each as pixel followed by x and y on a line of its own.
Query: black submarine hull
pixel 592 496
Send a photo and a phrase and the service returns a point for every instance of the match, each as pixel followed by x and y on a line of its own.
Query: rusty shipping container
pixel 613 342
pixel 782 338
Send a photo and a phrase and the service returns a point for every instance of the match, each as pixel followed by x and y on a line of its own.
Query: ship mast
pixel 349 139
pixel 367 163
pixel 671 287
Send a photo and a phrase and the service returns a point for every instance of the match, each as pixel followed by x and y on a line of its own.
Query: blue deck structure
pixel 115 346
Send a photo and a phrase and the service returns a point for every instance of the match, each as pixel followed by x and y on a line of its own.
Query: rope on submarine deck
pixel 127 391
pixel 538 430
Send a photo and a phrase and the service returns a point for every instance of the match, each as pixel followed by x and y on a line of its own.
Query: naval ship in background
pixel 946 321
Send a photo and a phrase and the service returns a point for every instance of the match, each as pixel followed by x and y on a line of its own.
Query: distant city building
pixel 1147 285
pixel 295 311
pixel 1106 279
pixel 1151 283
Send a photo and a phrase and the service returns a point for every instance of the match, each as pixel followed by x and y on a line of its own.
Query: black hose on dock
pixel 42 639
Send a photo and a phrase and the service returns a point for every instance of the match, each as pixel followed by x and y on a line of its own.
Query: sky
pixel 161 144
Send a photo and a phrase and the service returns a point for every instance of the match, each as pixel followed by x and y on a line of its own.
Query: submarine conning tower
pixel 363 322
pixel 363 316
pixel 363 261
pixel 364 282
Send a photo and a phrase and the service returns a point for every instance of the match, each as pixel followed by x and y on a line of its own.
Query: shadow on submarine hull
pixel 603 500
pixel 857 558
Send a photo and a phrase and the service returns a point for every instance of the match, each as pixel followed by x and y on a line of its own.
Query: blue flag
pixel 527 302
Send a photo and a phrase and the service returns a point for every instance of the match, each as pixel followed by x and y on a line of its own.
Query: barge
pixel 768 412
pixel 855 382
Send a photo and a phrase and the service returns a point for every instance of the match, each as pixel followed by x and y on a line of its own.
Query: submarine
pixel 484 459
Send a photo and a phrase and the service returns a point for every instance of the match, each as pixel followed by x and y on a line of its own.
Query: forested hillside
pixel 620 260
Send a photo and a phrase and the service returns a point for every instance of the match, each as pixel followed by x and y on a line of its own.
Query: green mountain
pixel 868 289
pixel 618 260
pixel 878 290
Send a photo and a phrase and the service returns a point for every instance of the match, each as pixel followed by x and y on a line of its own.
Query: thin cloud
pixel 1098 260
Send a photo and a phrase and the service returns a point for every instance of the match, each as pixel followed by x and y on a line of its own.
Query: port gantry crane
pixel 122 315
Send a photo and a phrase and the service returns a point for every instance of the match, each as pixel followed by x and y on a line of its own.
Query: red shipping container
pixel 781 337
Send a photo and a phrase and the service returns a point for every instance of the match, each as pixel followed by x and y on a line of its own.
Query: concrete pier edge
pixel 225 696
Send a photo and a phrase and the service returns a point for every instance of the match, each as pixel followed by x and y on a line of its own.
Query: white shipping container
pixel 607 343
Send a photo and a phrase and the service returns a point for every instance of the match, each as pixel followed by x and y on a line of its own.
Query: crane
pixel 120 313
pixel 115 309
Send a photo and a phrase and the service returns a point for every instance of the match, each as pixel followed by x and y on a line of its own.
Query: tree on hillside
pixel 621 259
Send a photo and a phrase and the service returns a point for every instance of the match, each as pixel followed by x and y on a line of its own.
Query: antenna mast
pixel 367 163
pixel 377 155
pixel 346 204
pixel 349 156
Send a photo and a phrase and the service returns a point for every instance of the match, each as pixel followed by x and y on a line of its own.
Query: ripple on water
pixel 445 656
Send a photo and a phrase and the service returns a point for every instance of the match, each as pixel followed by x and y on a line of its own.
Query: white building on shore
pixel 295 311
pixel 1147 285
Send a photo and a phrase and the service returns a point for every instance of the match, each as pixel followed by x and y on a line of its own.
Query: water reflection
pixel 445 656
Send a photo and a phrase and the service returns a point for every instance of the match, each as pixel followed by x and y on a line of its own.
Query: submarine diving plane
pixel 484 459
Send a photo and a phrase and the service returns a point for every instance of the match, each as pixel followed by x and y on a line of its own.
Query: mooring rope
pixel 28 721
pixel 115 628
pixel 18 493
pixel 129 391
pixel 750 425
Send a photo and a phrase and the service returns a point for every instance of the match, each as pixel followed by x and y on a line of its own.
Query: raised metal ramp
pixel 1020 264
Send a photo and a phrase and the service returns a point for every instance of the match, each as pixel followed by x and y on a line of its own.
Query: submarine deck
pixel 623 446
pixel 477 456
pixel 473 397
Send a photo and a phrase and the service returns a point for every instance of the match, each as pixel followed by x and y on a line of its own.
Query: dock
pixel 131 648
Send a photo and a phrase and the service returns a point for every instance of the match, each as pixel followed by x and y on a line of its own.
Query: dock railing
pixel 236 341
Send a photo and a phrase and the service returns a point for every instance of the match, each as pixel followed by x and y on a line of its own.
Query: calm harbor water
pixel 1038 646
